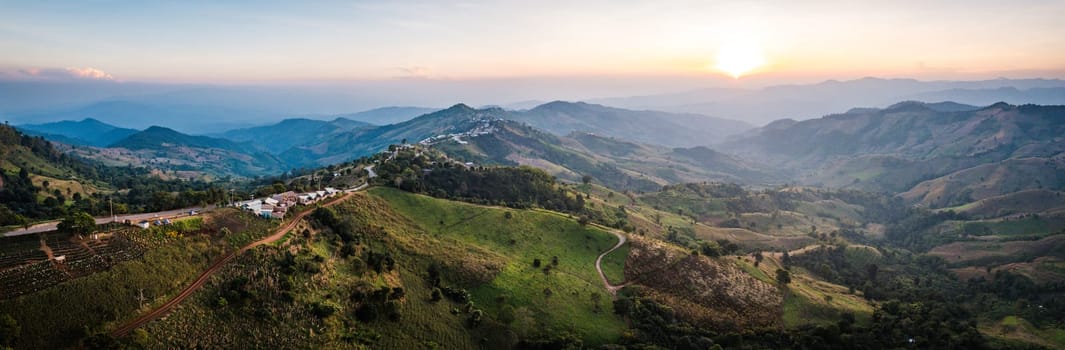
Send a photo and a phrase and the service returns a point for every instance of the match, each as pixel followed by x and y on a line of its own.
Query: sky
pixel 660 41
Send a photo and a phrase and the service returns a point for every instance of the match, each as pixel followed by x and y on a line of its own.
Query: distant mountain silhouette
pixel 87 132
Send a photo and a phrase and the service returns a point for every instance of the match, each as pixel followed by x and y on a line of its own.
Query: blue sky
pixel 264 41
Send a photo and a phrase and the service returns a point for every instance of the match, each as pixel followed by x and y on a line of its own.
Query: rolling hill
pixel 190 156
pixel 288 133
pixel 617 163
pixel 653 127
pixel 805 101
pixel 388 115
pixel 897 148
pixel 353 144
pixel 87 132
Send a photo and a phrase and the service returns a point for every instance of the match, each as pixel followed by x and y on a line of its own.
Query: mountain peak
pixel 157 129
pixel 908 106
pixel 999 105
pixel 91 120
pixel 459 107
pixel 564 105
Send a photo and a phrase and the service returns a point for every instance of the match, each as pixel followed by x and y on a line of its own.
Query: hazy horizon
pixel 681 42
pixel 256 64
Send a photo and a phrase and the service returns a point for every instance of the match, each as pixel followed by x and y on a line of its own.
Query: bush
pixel 367 312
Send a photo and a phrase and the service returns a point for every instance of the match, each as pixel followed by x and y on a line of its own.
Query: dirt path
pixel 599 264
pixel 206 274
pixel 47 250
pixel 51 257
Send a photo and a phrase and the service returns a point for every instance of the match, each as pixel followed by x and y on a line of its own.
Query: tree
pixel 367 312
pixel 506 314
pixel 78 223
pixel 586 179
pixel 476 316
pixel 140 337
pixel 783 276
pixel 871 271
pixel 711 249
pixel 548 293
pixel 595 301
pixel 728 247
pixel 9 330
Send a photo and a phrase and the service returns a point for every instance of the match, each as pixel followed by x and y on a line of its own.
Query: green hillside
pixel 186 156
pixel 319 287
pixel 39 182
pixel 519 240
pixel 288 133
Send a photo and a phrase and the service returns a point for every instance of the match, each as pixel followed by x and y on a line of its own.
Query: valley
pixel 477 229
pixel 567 175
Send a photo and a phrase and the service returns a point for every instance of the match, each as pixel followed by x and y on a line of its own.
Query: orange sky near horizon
pixel 279 41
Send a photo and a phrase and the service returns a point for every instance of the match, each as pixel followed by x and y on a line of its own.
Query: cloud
pixel 87 73
pixel 415 72
pixel 90 73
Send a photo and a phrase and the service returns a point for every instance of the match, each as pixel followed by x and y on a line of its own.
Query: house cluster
pixel 276 206
pixel 484 125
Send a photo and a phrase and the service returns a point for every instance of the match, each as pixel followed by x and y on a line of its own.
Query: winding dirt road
pixel 599 263
pixel 206 274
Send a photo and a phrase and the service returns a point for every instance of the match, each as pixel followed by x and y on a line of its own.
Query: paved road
pixel 598 264
pixel 52 225
pixel 369 171
pixel 206 274
pixel 357 188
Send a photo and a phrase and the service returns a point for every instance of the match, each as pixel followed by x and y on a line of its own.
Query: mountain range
pixel 938 155
pixel 206 109
pixel 939 158
pixel 699 223
pixel 659 128
pixel 805 101
pixel 87 132
pixel 301 142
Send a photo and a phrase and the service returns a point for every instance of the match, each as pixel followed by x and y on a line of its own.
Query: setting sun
pixel 737 59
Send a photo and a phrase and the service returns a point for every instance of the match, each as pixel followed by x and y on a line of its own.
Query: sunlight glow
pixel 737 59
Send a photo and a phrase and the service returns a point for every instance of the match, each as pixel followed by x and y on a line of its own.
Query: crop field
pixel 25 268
pixel 56 315
pixel 100 278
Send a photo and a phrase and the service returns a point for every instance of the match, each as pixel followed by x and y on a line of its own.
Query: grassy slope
pixel 1019 329
pixel 806 302
pixel 290 324
pixel 528 235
